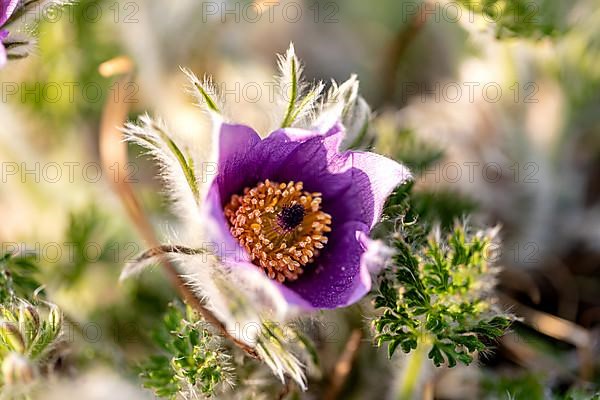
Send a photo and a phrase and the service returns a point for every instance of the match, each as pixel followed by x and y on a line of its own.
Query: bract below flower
pixel 300 209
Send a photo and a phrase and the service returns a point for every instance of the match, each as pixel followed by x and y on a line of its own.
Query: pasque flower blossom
pixel 282 226
pixel 300 209
pixel 7 7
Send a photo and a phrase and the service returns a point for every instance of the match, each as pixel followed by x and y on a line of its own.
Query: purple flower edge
pixel 7 7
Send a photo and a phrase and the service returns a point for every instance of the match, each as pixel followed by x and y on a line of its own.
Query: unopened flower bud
pixel 7 314
pixel 12 336
pixel 55 319
pixel 17 369
pixel 29 320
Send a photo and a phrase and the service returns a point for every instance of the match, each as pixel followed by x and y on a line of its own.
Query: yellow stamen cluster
pixel 280 225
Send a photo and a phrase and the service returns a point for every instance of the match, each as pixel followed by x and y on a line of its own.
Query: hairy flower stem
pixel 287 121
pixel 343 367
pixel 191 299
pixel 413 371
pixel 113 150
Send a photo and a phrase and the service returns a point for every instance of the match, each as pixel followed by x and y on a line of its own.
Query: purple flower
pixel 7 7
pixel 300 209
pixel 283 224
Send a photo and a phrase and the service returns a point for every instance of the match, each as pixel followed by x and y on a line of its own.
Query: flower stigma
pixel 280 225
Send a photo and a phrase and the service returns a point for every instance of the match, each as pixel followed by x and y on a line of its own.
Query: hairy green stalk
pixel 413 372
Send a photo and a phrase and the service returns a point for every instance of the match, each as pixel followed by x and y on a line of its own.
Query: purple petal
pixel 365 178
pixel 217 227
pixel 299 155
pixel 2 55
pixel 338 278
pixel 252 160
pixel 235 141
pixel 383 176
pixel 7 7
pixel 318 164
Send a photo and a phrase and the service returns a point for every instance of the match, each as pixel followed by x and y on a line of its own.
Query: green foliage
pixel 440 207
pixel 521 18
pixel 529 386
pixel 580 394
pixel 439 296
pixel 84 235
pixel 30 328
pixel 17 277
pixel 26 340
pixel 414 153
pixel 23 331
pixel 418 212
pixel 193 359
pixel 437 293
pixel 83 24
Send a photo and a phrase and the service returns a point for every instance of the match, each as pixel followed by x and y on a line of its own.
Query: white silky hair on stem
pixel 176 168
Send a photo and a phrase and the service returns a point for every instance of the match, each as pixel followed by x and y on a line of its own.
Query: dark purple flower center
pixel 291 216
